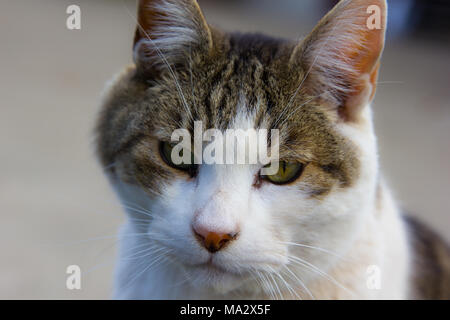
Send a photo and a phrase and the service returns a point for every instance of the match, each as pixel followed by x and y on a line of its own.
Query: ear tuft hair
pixel 341 55
pixel 168 30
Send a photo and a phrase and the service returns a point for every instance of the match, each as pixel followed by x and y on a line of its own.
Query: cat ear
pixel 168 30
pixel 340 57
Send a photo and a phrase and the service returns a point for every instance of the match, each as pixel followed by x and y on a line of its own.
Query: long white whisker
pixel 302 284
pixel 298 107
pixel 268 285
pixel 276 286
pixel 313 247
pixel 287 285
pixel 156 261
pixel 312 267
pixel 147 249
pixel 144 253
pixel 142 211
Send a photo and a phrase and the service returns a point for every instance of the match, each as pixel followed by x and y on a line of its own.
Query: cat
pixel 324 226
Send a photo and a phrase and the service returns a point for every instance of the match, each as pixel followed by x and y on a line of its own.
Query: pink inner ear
pixel 343 55
pixel 360 47
pixel 363 55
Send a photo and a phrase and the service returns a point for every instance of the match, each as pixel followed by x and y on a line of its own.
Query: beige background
pixel 55 202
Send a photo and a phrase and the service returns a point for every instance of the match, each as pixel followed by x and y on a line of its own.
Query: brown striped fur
pixel 254 66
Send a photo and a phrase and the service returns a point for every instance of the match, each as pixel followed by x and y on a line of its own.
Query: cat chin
pixel 210 277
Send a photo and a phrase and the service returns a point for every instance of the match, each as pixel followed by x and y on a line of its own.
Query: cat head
pixel 225 223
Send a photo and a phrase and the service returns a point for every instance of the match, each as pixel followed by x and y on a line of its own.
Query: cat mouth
pixel 221 276
pixel 212 267
pixel 215 269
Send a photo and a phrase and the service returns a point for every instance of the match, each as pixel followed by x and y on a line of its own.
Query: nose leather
pixel 214 241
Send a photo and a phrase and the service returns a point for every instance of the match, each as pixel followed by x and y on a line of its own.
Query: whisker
pixel 257 279
pixel 138 209
pixel 115 236
pixel 276 286
pixel 390 82
pixel 143 253
pixel 109 166
pixel 315 248
pixel 97 266
pixel 312 267
pixel 298 107
pixel 155 262
pixel 291 100
pixel 190 74
pixel 269 286
pixel 288 287
pixel 302 284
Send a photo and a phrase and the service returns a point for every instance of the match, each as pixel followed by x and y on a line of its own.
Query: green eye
pixel 166 153
pixel 288 171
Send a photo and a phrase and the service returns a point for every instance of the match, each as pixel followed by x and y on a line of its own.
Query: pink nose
pixel 213 241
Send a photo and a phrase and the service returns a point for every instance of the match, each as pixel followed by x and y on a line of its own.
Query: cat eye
pixel 165 150
pixel 288 171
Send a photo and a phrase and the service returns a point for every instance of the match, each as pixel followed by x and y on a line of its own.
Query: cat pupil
pixel 284 167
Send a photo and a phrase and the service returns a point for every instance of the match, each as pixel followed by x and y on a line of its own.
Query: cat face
pixel 228 226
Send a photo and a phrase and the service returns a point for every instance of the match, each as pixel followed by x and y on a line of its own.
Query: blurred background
pixel 57 208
